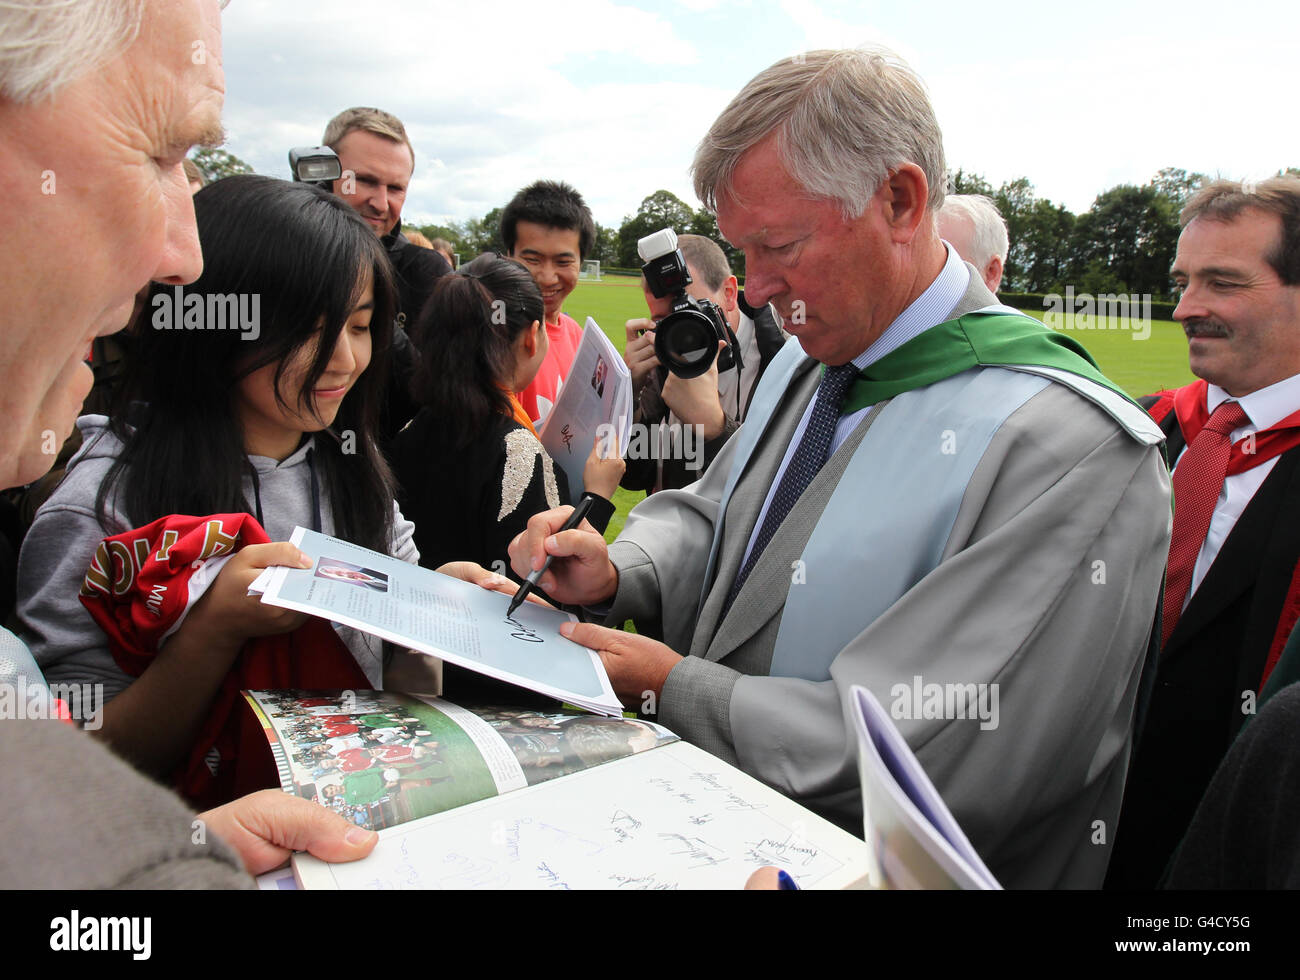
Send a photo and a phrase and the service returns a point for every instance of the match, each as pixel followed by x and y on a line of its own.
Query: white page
pixel 597 391
pixel 672 818
pixel 442 616
pixel 913 834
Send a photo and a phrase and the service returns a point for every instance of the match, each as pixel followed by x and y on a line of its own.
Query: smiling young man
pixel 548 227
pixel 1233 589
pixel 927 489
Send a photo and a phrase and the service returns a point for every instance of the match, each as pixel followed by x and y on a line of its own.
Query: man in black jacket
pixel 692 419
pixel 1233 585
pixel 378 161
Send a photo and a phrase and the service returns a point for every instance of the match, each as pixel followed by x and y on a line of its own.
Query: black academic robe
pixel 1209 674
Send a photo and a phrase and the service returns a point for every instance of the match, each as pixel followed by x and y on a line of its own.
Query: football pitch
pixel 1139 357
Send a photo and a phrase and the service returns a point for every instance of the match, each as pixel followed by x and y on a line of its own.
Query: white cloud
pixel 822 30
pixel 1079 120
pixel 614 98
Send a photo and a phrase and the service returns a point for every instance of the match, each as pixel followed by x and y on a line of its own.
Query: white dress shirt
pixel 1265 407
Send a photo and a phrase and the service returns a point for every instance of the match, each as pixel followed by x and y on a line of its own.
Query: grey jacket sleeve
pixel 662 554
pixel 65 641
pixel 402 546
pixel 76 816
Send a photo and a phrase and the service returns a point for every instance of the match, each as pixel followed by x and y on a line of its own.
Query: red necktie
pixel 1198 481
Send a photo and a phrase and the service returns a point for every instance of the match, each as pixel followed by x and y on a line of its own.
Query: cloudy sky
pixel 613 96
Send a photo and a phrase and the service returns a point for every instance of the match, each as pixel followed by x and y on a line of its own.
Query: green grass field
pixel 1137 361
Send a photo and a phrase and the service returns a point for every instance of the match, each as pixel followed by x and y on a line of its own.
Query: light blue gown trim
pixel 904 486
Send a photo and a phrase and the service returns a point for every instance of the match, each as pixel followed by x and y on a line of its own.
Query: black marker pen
pixel 574 520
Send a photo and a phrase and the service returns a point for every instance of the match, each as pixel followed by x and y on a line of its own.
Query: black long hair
pixel 304 253
pixel 466 335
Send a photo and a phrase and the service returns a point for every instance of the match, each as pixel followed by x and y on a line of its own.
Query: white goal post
pixel 590 270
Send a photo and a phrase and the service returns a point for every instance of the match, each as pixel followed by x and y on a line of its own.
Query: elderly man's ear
pixel 904 196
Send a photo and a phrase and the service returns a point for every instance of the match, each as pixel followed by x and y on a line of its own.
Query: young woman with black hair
pixel 255 390
pixel 469 467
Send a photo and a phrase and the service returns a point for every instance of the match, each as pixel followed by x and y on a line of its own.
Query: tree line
pixel 614 248
pixel 1124 243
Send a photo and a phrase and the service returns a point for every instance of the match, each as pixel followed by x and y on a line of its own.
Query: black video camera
pixel 686 340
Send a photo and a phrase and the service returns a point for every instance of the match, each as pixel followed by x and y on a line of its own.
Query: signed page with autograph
pixel 669 819
pixel 444 617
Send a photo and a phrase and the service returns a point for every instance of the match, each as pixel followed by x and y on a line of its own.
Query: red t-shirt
pixel 563 337
pixel 355 760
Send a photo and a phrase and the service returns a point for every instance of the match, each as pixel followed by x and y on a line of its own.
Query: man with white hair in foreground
pixel 100 101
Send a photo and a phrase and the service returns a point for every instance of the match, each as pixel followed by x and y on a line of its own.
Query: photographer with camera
pixel 703 396
pixel 377 162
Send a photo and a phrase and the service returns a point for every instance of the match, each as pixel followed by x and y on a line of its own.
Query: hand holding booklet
pixel 914 839
pixel 596 400
pixel 442 616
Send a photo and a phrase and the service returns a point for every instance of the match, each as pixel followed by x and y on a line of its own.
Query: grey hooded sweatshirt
pixel 67 644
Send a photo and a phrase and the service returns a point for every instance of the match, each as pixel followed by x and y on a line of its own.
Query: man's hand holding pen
pixel 581 573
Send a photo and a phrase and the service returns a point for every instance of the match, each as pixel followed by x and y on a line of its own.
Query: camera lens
pixel 686 343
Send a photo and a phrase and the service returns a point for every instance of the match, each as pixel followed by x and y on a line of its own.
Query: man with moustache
pixel 1233 588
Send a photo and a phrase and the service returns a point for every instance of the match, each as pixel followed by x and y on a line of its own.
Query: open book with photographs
pixel 499 797
pixel 381 758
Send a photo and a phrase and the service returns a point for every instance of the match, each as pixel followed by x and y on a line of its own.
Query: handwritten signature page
pixel 441 616
pixel 672 818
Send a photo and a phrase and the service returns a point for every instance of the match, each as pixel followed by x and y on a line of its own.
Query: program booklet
pixel 442 616
pixel 527 799
pixel 595 401
pixel 915 840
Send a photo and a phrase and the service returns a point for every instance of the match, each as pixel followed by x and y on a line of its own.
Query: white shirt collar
pixel 1266 407
pixel 932 307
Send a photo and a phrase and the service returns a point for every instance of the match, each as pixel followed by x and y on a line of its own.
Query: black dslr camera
pixel 686 340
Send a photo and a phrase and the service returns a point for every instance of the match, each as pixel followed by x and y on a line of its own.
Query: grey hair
pixel 45 44
pixel 843 121
pixel 990 236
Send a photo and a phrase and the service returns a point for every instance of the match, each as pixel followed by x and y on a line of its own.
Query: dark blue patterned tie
pixel 808 459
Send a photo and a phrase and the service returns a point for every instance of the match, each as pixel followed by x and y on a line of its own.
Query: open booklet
pixel 540 800
pixel 444 617
pixel 597 393
pixel 380 758
pixel 915 840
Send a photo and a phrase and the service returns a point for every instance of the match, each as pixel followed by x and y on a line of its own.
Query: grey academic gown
pixel 1042 581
